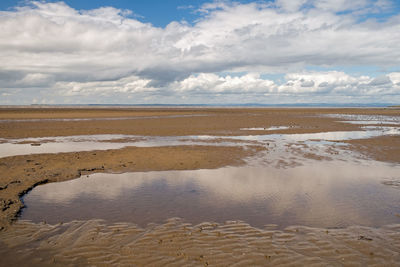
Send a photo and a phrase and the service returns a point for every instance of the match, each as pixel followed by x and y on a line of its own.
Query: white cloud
pixel 320 82
pixel 341 5
pixel 131 84
pixel 339 83
pixel 331 82
pixel 35 80
pixel 290 5
pixel 395 78
pixel 71 52
pixel 208 82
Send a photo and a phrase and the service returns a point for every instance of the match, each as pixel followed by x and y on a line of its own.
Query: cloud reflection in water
pixel 321 194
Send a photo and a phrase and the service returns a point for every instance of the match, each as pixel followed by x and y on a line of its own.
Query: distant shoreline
pixel 249 105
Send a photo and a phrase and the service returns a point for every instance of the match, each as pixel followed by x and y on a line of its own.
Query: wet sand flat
pixel 383 148
pixel 94 242
pixel 192 121
pixel 223 121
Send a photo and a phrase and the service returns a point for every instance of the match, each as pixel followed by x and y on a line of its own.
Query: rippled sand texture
pixel 178 244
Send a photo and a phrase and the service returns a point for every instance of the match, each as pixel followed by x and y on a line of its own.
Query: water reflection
pixel 96 142
pixel 8 149
pixel 272 128
pixel 374 122
pixel 363 119
pixel 324 194
pixel 329 136
pixel 13 147
pixel 103 119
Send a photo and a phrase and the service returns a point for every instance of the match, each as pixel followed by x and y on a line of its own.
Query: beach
pixel 113 140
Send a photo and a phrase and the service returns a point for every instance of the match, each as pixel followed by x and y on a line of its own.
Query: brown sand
pixel 174 243
pixel 71 113
pixel 217 122
pixel 223 121
pixel 382 148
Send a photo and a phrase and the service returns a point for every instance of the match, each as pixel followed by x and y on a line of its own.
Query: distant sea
pixel 249 105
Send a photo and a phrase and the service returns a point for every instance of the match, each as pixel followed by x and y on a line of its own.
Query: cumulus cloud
pixel 248 88
pixel 70 52
pixel 208 82
pixel 131 84
pixel 306 83
pixel 395 78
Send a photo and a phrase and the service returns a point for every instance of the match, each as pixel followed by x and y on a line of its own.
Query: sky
pixel 199 52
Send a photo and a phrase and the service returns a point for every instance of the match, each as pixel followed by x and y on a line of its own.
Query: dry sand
pixel 175 243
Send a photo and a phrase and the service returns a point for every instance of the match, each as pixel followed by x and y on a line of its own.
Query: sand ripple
pixel 176 243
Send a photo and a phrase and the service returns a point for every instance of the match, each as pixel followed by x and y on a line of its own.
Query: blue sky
pixel 158 12
pixel 162 12
pixel 134 52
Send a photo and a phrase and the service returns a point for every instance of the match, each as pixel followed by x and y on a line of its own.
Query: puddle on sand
pixel 8 149
pixel 320 194
pixel 103 119
pixel 14 147
pixel 78 143
pixel 272 128
pixel 373 122
pixel 366 119
pixel 328 136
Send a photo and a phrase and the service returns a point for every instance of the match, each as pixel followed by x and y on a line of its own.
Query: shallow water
pixel 319 193
pixel 366 119
pixel 272 128
pixel 13 147
pixel 373 122
pixel 102 119
pixel 8 149
pixel 328 136
pixel 77 143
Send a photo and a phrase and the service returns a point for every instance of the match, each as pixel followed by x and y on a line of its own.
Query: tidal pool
pixel 272 128
pixel 367 119
pixel 320 194
pixel 14 147
pixel 102 119
pixel 61 144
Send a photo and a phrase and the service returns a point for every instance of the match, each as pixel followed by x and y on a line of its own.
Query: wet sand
pixel 189 121
pixel 96 243
pixel 174 243
pixel 382 148
pixel 212 122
